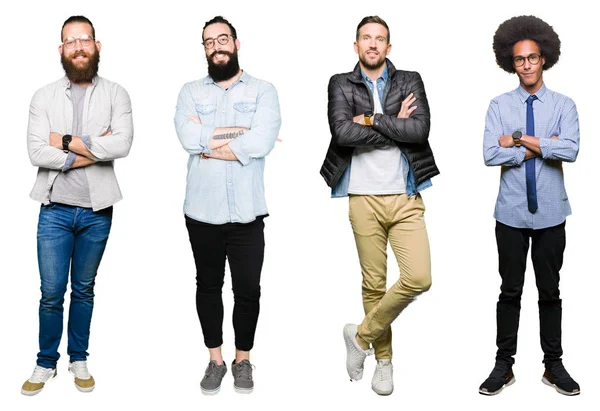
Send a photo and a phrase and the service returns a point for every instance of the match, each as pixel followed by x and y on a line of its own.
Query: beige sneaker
pixel 83 380
pixel 38 380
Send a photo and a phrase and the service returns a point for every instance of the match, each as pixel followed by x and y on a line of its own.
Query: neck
pixel 534 88
pixel 228 83
pixel 373 74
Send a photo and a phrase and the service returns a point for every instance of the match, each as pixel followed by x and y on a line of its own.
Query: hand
pixel 360 119
pixel 107 133
pixel 506 141
pixel 221 153
pixel 554 138
pixel 405 109
pixel 195 119
pixel 56 140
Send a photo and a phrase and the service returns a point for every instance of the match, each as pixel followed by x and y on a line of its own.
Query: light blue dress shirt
pixel 554 115
pixel 221 191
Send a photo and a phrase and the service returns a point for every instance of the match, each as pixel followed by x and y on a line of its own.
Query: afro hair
pixel 525 28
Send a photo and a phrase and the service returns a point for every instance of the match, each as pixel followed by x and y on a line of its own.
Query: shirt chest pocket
pixel 206 113
pixel 243 113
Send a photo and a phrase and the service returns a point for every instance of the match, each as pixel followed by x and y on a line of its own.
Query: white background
pixel 146 344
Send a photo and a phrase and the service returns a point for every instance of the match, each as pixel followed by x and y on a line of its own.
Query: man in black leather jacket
pixel 380 156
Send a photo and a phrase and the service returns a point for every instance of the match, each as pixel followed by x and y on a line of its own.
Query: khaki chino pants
pixel 376 219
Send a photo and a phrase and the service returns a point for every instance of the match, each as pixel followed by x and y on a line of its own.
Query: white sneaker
pixel 383 379
pixel 355 355
pixel 38 380
pixel 83 380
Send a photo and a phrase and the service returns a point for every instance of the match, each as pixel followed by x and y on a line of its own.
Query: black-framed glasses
pixel 533 58
pixel 84 40
pixel 221 38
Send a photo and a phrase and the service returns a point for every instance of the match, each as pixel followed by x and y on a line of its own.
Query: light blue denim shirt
pixel 554 115
pixel 341 188
pixel 221 191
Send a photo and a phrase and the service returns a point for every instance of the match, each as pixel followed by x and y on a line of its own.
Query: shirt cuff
pixel 236 147
pixel 70 160
pixel 520 155
pixel 87 141
pixel 545 147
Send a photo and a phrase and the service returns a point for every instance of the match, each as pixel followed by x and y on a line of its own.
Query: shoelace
pixel 560 372
pixel 244 370
pixel 384 372
pixel 79 368
pixel 38 374
pixel 212 372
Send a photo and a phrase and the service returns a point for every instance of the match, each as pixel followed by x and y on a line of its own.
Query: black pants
pixel 243 245
pixel 547 248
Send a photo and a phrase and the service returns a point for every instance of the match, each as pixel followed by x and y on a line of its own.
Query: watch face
pixel 368 114
pixel 517 135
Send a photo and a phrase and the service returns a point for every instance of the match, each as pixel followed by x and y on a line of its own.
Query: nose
pixel 78 45
pixel 526 64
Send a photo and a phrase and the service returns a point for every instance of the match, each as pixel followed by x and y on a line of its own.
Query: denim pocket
pixel 206 113
pixel 244 112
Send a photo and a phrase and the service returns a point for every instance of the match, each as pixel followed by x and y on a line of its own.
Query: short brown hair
pixel 373 19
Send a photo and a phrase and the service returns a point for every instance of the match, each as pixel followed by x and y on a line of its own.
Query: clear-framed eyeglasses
pixel 221 38
pixel 85 41
pixel 533 58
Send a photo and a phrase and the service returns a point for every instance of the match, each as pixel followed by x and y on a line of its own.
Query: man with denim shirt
pixel 77 126
pixel 379 155
pixel 228 122
pixel 530 132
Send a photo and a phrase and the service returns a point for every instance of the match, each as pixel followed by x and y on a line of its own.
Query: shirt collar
pixel 523 95
pixel 244 78
pixel 67 82
pixel 384 76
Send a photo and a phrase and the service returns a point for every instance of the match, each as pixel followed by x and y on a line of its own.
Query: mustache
pixel 226 53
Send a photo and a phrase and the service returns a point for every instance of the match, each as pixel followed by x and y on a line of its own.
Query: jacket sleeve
pixel 193 137
pixel 412 130
pixel 566 147
pixel 344 131
pixel 493 154
pixel 118 144
pixel 41 153
pixel 260 139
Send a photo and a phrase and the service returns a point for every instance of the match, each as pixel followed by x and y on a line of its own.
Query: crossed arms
pixel 203 139
pixel 44 145
pixel 501 150
pixel 409 126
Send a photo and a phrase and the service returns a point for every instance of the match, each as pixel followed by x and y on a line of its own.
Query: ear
pixel 237 44
pixel 356 47
pixel 543 60
pixel 389 49
pixel 98 45
pixel 60 48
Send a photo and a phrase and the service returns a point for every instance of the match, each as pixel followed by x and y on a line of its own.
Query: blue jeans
pixel 75 238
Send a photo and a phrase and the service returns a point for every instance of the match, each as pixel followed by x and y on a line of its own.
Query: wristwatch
pixel 368 117
pixel 517 137
pixel 66 139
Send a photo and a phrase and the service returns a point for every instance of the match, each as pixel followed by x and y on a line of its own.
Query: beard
pixel 83 74
pixel 372 66
pixel 223 71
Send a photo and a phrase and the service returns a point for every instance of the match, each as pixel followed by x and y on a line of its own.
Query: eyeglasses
pixel 222 39
pixel 533 58
pixel 84 40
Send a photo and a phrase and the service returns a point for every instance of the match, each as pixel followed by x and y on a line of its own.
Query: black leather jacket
pixel 349 97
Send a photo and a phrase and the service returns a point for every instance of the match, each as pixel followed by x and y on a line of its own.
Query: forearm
pixel 82 161
pixel 78 146
pixel 531 143
pixel 222 153
pixel 223 135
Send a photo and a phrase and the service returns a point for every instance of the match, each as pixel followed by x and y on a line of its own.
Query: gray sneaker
pixel 242 377
pixel 211 383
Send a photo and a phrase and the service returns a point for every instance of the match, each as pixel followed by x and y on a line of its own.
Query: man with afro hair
pixel 529 132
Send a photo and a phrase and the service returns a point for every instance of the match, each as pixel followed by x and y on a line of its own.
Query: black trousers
pixel 243 245
pixel 547 248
